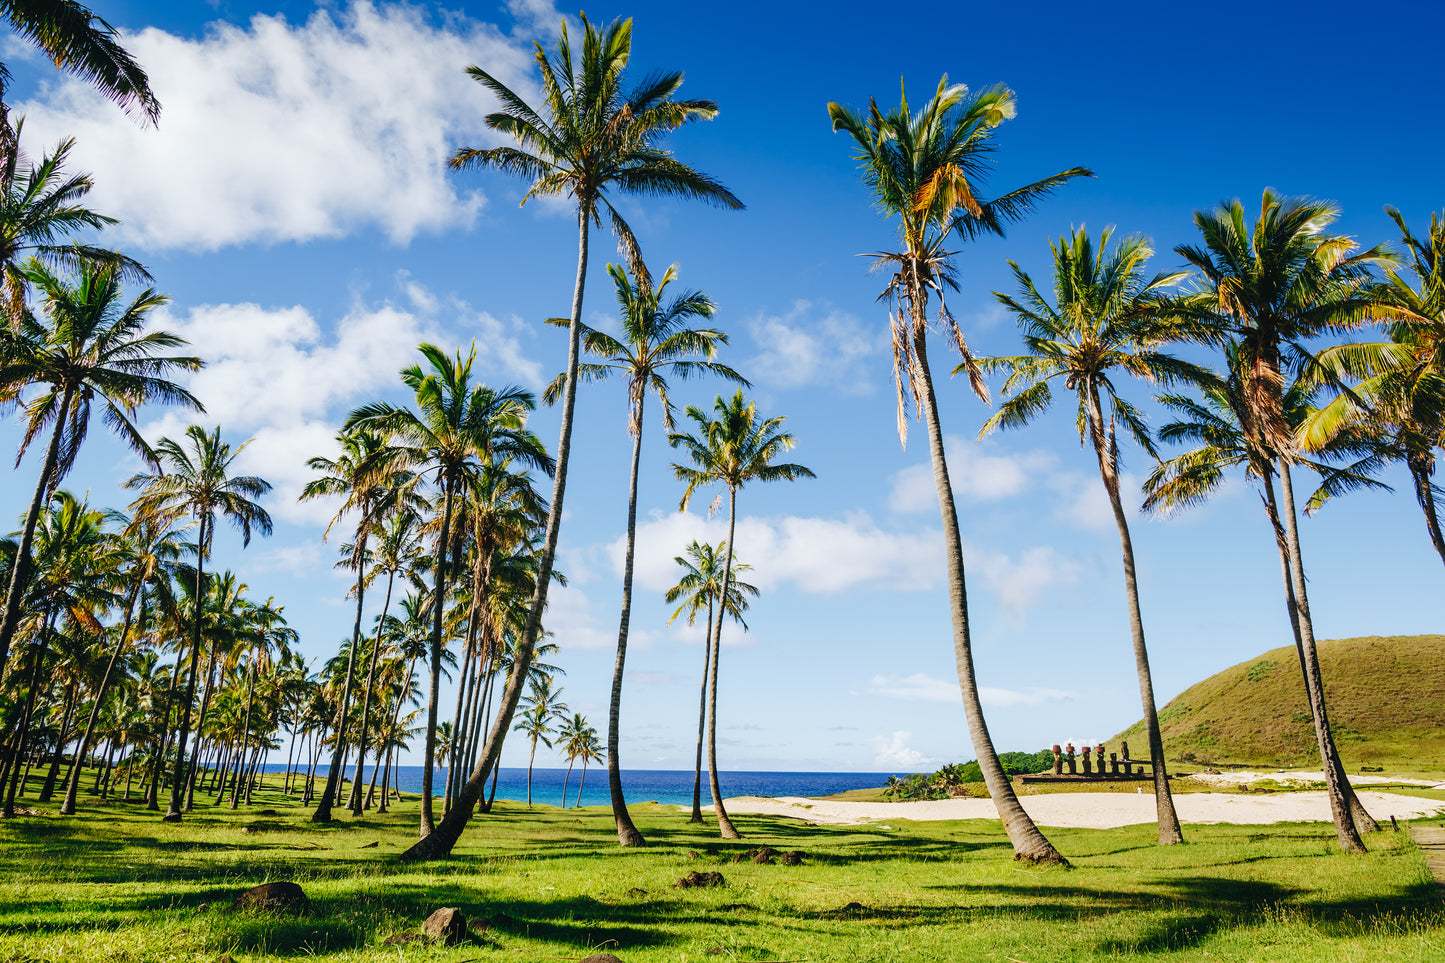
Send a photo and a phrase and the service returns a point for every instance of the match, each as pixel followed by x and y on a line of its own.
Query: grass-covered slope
pixel 1386 699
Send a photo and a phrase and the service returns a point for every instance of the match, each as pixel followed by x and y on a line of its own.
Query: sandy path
pixel 1093 810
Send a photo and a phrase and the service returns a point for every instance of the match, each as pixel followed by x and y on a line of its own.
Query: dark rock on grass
pixel 794 858
pixel 600 958
pixel 854 907
pixel 695 879
pixel 763 859
pixel 693 854
pixel 768 851
pixel 371 845
pixel 279 897
pixel 447 925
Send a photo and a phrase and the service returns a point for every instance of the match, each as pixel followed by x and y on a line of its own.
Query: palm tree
pixel 90 345
pixel 731 449
pixel 589 749
pixel 572 735
pixel 457 425
pixel 354 478
pixel 1272 290
pixel 588 140
pixel 1107 319
pixel 79 43
pixel 1396 411
pixel 541 706
pixel 925 169
pixel 701 588
pixel 1190 478
pixel 199 484
pixel 656 341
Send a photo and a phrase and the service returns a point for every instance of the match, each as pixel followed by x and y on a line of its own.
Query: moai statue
pixel 1113 764
pixel 1069 749
pixel 1087 767
pixel 1058 761
pixel 1124 751
pixel 1099 758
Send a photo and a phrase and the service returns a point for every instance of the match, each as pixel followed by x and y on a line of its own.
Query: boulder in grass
pixel 794 858
pixel 447 926
pixel 283 896
pixel 695 880
pixel 763 859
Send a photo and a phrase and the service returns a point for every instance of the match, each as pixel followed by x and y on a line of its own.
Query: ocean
pixel 643 785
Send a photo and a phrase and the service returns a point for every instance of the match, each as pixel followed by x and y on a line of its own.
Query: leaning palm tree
pixel 656 342
pixel 541 706
pixel 88 344
pixel 589 749
pixel 82 44
pixel 1107 320
pixel 455 427
pixel 731 449
pixel 926 169
pixel 1271 288
pixel 196 481
pixel 701 588
pixel 571 735
pixel 590 138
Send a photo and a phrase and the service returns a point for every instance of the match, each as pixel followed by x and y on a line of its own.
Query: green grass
pixel 1386 703
pixel 117 884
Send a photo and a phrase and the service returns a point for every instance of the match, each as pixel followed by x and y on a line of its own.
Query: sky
pixel 294 203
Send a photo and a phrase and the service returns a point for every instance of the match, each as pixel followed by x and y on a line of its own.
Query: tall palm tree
pixel 82 44
pixel 196 481
pixel 353 477
pixel 589 749
pixel 1396 410
pixel 656 342
pixel 571 734
pixel 455 427
pixel 590 139
pixel 1273 287
pixel 541 706
pixel 926 170
pixel 700 587
pixel 731 449
pixel 1108 319
pixel 90 345
pixel 1190 478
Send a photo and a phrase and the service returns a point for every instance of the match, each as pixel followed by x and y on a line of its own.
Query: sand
pixel 1093 810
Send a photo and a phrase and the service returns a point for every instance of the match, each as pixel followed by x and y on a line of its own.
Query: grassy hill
pixel 1386 699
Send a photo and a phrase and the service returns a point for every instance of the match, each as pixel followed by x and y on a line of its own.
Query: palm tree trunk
pixel 1364 822
pixel 195 770
pixel 1169 830
pixel 49 789
pixel 725 825
pixel 1339 809
pixel 701 720
pixel 1425 495
pixel 439 602
pixel 627 834
pixel 245 734
pixel 581 782
pixel 571 761
pixel 439 844
pixel 67 808
pixel 530 759
pixel 20 568
pixel 178 777
pixel 1028 842
pixel 333 775
pixel 396 716
pixel 464 680
pixel 19 755
pixel 366 703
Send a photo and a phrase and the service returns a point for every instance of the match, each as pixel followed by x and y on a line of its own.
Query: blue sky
pixel 294 202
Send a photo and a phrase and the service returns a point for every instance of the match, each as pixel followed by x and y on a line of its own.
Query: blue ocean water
pixel 644 785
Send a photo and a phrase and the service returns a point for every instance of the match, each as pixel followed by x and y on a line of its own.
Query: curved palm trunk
pixel 1425 495
pixel 20 569
pixel 702 720
pixel 725 826
pixel 1028 842
pixel 627 833
pixel 50 778
pixel 531 759
pixel 1169 830
pixel 439 601
pixel 178 777
pixel 23 733
pixel 245 735
pixel 581 782
pixel 1335 780
pixel 438 844
pixel 396 721
pixel 567 779
pixel 67 808
pixel 338 751
pixel 356 800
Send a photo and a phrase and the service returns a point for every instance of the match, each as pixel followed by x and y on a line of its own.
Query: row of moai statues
pixel 1118 764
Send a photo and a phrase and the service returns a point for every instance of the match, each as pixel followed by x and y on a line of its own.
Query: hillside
pixel 1386 699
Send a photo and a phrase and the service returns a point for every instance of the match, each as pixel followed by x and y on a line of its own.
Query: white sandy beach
pixel 1093 810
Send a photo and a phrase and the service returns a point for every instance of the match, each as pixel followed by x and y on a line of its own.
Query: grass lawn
pixel 114 883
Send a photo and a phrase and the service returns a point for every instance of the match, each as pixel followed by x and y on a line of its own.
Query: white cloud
pixel 977 474
pixel 813 344
pixel 893 752
pixel 917 686
pixel 1083 502
pixel 1023 697
pixel 1023 583
pixel 275 131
